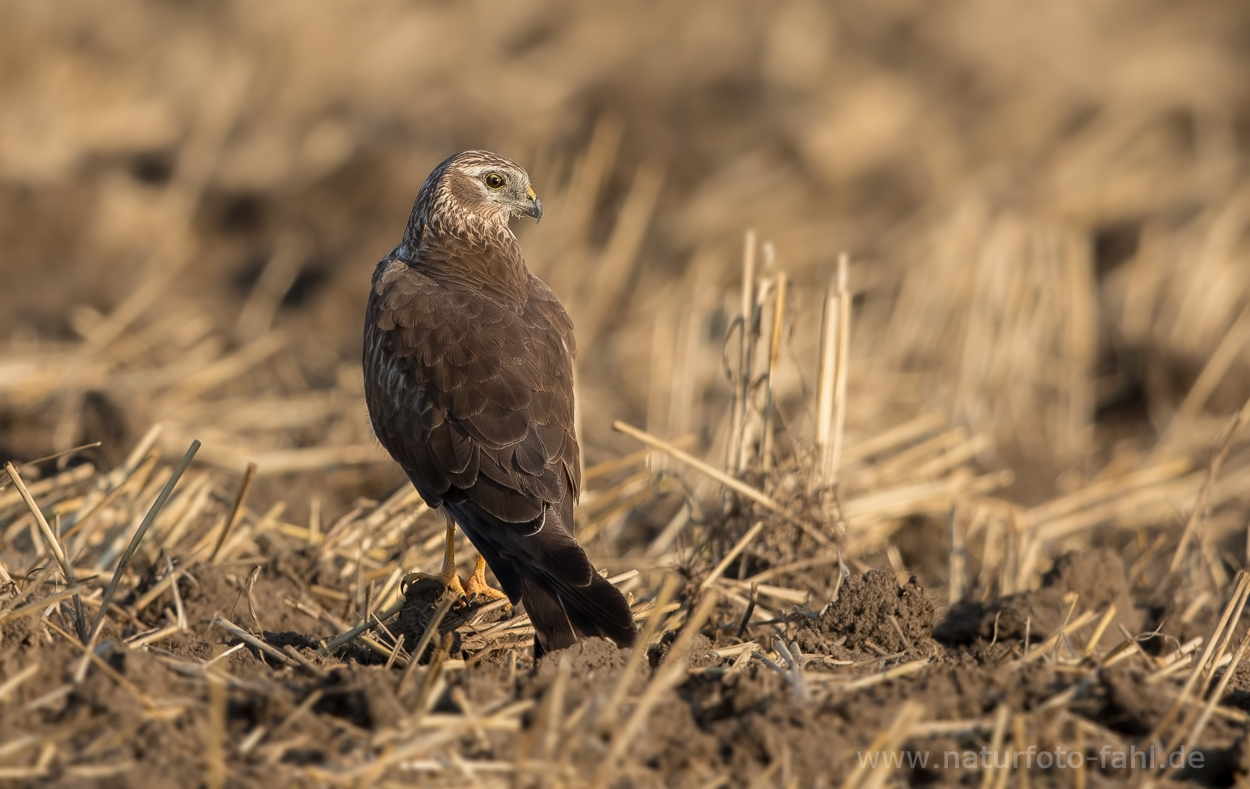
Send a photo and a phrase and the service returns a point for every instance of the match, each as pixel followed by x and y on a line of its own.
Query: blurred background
pixel 1045 212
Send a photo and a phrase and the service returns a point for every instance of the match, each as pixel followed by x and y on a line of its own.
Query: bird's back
pixel 465 388
pixel 471 391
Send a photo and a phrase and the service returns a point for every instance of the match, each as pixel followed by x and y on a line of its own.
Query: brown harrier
pixel 469 384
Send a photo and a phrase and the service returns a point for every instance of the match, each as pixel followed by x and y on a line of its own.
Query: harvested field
pixel 914 350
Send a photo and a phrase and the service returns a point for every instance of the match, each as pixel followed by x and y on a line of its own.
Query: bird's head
pixel 479 184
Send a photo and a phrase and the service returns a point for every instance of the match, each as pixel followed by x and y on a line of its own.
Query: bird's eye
pixel 495 180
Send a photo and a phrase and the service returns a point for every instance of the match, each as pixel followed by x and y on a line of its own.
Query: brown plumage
pixel 469 385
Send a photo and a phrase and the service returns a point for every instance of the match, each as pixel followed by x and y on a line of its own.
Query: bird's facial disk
pixel 506 190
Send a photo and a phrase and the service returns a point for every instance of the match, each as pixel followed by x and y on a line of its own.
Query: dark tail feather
pixel 546 569
pixel 562 613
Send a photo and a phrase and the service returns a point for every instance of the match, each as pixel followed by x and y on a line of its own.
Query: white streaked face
pixel 504 185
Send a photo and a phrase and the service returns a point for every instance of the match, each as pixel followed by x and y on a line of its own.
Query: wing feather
pixel 492 385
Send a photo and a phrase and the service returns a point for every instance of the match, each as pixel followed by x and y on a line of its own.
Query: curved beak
pixel 535 207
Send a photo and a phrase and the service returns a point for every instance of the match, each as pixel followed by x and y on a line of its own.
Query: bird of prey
pixel 468 367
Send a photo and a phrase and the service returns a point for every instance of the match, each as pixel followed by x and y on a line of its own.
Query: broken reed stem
pixel 54 547
pixel 244 486
pixel 1002 717
pixel 958 557
pixel 831 381
pixel 1227 439
pixel 395 650
pixel 14 682
pixel 774 353
pixel 215 771
pixel 37 605
pixel 723 478
pixel 742 387
pixel 143 529
pixel 1092 644
pixel 255 642
pixel 841 368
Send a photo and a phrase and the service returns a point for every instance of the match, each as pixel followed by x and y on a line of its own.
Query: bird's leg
pixel 477 587
pixel 447 575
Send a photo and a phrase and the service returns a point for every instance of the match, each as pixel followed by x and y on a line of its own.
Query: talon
pixel 477 588
pixel 453 586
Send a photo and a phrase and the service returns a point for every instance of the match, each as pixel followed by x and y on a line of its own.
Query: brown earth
pixel 1048 232
pixel 145 722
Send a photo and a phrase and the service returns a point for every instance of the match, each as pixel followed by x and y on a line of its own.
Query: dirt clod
pixel 872 616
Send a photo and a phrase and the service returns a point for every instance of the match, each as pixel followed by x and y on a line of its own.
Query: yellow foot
pixel 476 588
pixel 475 591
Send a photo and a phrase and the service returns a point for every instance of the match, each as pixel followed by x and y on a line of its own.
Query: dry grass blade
pixel 124 561
pixel 1217 366
pixel 14 682
pixel 423 643
pixel 738 548
pixel 774 356
pixel 55 548
pixel 1001 718
pixel 1052 642
pixel 630 461
pixel 244 486
pixel 742 386
pixel 137 475
pixel 551 719
pixel 38 605
pixel 252 640
pixel 1217 460
pixel 65 479
pixel 897 672
pixel 1091 646
pixel 215 769
pixel 276 279
pixel 825 385
pixel 433 673
pixel 833 459
pixel 58 455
